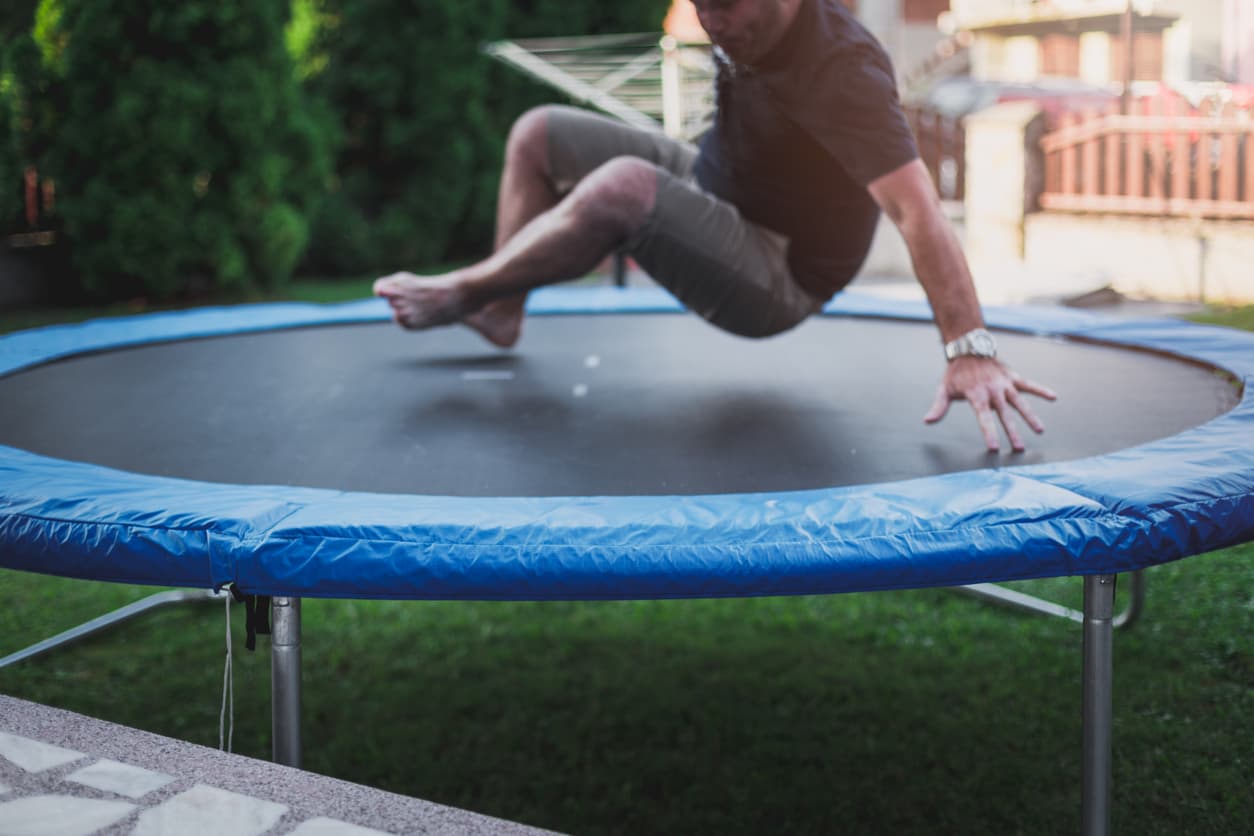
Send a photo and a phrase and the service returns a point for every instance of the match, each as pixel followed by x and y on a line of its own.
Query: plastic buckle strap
pixel 256 615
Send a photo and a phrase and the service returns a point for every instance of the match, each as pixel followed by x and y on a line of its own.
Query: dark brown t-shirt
pixel 797 139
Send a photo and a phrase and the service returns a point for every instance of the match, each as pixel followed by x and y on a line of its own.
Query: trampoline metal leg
pixel 82 631
pixel 620 269
pixel 1098 689
pixel 285 680
pixel 1030 603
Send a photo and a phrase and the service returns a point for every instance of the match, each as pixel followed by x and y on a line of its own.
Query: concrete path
pixel 69 775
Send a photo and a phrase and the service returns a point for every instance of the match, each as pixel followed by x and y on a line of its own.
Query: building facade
pixel 1175 41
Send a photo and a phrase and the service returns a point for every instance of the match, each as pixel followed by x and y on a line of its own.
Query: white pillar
pixel 1004 174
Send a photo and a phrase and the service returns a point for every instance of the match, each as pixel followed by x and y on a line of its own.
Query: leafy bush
pixel 29 101
pixel 9 166
pixel 424 116
pixel 16 17
pixel 186 157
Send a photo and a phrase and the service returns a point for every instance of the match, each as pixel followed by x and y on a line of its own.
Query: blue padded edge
pixel 1155 503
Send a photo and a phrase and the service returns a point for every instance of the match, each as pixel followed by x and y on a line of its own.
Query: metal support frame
pixel 1098 621
pixel 1098 711
pixel 82 631
pixel 285 680
pixel 620 268
pixel 285 657
pixel 1002 596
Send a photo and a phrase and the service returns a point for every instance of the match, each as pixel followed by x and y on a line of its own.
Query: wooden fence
pixel 1163 158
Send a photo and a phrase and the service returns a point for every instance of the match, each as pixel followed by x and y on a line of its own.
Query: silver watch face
pixel 977 343
pixel 981 344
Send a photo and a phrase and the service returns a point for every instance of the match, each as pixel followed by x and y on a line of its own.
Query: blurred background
pixel 177 151
pixel 157 154
pixel 167 155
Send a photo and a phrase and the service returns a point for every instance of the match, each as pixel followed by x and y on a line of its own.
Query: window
pixel 923 11
pixel 1147 57
pixel 1060 55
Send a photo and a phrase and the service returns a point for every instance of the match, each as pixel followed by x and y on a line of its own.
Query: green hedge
pixel 186 157
pixel 16 17
pixel 18 55
pixel 424 116
pixel 10 177
pixel 30 99
pixel 212 146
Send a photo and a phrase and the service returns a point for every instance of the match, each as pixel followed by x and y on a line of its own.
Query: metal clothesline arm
pixel 578 89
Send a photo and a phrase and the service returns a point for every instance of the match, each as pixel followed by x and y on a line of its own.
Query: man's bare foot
pixel 499 322
pixel 422 301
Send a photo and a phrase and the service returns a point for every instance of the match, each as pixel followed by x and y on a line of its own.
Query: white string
pixel 228 688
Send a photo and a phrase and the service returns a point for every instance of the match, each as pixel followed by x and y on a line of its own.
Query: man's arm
pixel 908 197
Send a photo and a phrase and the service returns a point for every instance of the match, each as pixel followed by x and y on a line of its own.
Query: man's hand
pixel 993 390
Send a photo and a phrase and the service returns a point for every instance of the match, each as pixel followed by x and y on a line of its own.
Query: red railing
pixel 1165 158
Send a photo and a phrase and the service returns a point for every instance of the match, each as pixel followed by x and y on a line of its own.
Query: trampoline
pixel 626 450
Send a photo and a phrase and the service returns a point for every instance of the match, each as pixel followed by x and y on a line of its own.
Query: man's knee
pixel 528 140
pixel 621 191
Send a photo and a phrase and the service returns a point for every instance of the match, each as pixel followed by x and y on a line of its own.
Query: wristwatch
pixel 977 343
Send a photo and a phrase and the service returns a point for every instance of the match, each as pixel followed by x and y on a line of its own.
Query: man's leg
pixel 527 189
pixel 526 192
pixel 560 244
pixel 733 273
pixel 549 152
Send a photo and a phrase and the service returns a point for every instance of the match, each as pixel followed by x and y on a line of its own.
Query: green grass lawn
pixel 917 712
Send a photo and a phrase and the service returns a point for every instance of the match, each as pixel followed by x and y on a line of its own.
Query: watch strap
pixel 977 342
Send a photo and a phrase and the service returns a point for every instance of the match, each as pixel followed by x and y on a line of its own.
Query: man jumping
pixel 755 229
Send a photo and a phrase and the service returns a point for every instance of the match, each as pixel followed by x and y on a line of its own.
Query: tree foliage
pixel 17 54
pixel 9 166
pixel 30 99
pixel 200 144
pixel 185 152
pixel 16 17
pixel 424 116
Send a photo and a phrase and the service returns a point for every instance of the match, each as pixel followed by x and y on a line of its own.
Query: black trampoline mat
pixel 586 405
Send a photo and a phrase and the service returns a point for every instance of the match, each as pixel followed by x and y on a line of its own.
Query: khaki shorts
pixel 728 270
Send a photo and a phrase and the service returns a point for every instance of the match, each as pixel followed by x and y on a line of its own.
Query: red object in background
pixel 1242 95
pixel 48 193
pixel 923 11
pixel 31 180
pixel 39 198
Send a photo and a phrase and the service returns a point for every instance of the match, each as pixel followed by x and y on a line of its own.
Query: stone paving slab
pixel 65 774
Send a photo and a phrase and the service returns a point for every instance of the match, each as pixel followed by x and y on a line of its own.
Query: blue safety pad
pixel 1151 504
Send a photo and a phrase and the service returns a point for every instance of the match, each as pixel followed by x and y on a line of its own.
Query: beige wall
pixel 1157 258
pixel 975 12
pixel 916 44
pixel 1201 43
pixel 1194 48
pixel 1238 35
